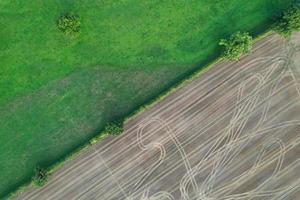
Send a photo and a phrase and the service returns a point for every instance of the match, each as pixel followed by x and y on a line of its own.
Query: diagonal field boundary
pixel 232 133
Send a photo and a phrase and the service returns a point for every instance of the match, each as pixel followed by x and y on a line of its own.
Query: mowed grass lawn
pixel 57 92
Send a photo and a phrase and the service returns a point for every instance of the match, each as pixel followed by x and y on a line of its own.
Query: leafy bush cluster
pixel 237 45
pixel 289 22
pixel 69 24
pixel 114 128
pixel 41 177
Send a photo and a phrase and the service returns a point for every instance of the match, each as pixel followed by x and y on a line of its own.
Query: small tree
pixel 237 45
pixel 41 177
pixel 114 128
pixel 69 24
pixel 289 22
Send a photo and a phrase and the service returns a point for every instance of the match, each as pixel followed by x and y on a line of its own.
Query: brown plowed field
pixel 233 133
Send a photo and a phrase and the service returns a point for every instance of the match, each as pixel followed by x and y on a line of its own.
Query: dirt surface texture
pixel 232 133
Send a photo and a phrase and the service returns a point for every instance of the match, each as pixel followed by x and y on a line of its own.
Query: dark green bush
pixel 69 24
pixel 237 45
pixel 289 22
pixel 114 128
pixel 41 177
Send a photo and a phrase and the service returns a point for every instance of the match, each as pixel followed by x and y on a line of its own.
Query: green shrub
pixel 289 22
pixel 41 177
pixel 98 138
pixel 69 24
pixel 114 128
pixel 237 45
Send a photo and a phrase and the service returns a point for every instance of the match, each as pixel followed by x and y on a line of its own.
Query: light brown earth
pixel 233 133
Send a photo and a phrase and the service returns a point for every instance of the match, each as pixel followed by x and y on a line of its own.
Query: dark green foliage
pixel 289 22
pixel 237 45
pixel 41 177
pixel 69 24
pixel 114 128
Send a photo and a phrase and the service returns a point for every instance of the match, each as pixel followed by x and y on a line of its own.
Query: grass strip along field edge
pixel 152 102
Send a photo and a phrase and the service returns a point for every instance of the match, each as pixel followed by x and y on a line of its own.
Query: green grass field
pixel 57 92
